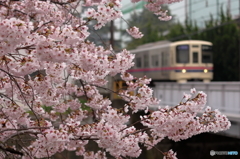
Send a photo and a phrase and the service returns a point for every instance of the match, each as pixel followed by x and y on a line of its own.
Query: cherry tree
pixel 44 48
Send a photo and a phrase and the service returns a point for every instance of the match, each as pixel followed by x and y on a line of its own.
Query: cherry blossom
pixel 134 32
pixel 50 82
pixel 170 155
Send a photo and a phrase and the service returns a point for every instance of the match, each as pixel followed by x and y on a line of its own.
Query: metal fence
pixel 224 96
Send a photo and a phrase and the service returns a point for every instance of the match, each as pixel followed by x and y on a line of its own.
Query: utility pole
pixel 186 9
pixel 112 34
pixel 190 10
pixel 111 80
pixel 229 7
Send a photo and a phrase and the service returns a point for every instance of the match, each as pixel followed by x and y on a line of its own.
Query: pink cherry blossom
pixel 50 82
pixel 134 32
pixel 170 155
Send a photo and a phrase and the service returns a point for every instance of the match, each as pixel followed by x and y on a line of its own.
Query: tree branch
pixel 11 150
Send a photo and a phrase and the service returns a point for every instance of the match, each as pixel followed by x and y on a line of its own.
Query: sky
pixel 199 10
pixel 177 9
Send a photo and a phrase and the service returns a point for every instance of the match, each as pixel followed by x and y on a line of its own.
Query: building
pixel 200 10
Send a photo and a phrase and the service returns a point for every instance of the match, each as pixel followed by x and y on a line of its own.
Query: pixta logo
pixel 213 153
pixel 232 152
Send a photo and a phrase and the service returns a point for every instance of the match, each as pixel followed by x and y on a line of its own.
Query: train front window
pixel 195 57
pixel 206 54
pixel 182 54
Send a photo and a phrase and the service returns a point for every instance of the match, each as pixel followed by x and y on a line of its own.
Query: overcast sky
pixel 176 8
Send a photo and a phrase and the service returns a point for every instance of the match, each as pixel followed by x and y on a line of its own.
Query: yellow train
pixel 180 61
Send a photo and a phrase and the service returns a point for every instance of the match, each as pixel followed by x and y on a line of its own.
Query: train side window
pixel 138 62
pixel 206 54
pixel 146 60
pixel 155 60
pixel 182 54
pixel 195 57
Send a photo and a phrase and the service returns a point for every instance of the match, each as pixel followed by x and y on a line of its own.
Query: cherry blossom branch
pixel 86 138
pixel 23 129
pixel 11 150
pixel 53 1
pixel 25 47
pixel 34 30
pixel 155 148
pixel 22 94
pixel 4 5
pixel 135 132
pixel 85 92
pixel 60 3
pixel 133 124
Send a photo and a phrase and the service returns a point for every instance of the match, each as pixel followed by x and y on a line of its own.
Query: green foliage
pixel 186 31
pixel 149 24
pixel 84 107
pixel 47 108
pixel 68 111
pixel 224 33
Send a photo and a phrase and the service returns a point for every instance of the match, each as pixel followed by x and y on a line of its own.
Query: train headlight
pixel 184 71
pixel 205 71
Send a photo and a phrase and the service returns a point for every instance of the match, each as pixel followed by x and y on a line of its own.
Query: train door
pixel 165 64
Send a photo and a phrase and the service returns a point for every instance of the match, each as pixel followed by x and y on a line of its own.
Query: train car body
pixel 180 61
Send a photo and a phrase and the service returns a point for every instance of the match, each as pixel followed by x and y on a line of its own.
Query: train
pixel 180 61
pixel 166 61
